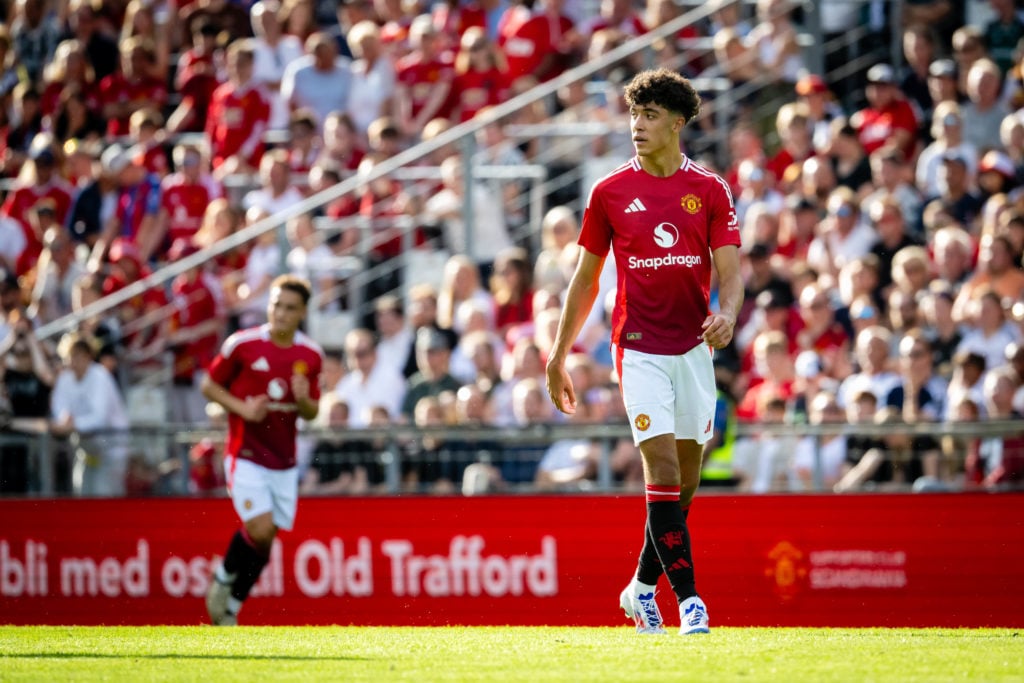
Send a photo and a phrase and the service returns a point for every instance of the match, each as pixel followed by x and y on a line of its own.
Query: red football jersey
pixel 420 78
pixel 249 364
pixel 143 92
pixel 17 205
pixel 194 303
pixel 474 90
pixel 662 231
pixel 527 44
pixel 185 204
pixel 236 121
pixel 877 126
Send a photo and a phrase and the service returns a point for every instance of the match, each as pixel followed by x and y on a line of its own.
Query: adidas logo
pixel 635 205
pixel 262 365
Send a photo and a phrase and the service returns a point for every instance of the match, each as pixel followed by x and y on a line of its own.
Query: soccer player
pixel 265 377
pixel 667 220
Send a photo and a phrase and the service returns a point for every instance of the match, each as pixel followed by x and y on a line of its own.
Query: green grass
pixel 207 654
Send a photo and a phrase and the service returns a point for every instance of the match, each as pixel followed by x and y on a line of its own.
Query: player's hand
pixel 300 387
pixel 560 388
pixel 255 408
pixel 718 329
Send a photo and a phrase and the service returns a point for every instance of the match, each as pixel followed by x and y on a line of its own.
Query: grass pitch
pixel 56 653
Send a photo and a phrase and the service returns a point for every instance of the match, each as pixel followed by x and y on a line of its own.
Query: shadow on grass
pixel 91 655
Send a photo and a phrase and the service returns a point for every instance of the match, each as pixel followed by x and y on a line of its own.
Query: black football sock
pixel 648 569
pixel 667 523
pixel 246 562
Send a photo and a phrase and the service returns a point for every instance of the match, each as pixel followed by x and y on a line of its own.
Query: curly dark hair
pixel 666 89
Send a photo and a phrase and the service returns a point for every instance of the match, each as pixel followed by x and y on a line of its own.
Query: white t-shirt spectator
pixel 385 387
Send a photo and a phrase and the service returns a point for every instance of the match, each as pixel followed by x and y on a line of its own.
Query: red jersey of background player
pixel 250 364
pixel 664 231
pixel 237 118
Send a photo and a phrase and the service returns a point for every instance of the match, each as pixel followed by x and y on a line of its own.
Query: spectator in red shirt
pixel 888 118
pixel 821 332
pixel 39 179
pixel 199 73
pixel 424 79
pixel 127 91
pixel 480 76
pixel 147 140
pixel 194 335
pixel 185 195
pixel 239 112
pixel 512 288
pixel 342 149
pixel 543 42
pixel 69 68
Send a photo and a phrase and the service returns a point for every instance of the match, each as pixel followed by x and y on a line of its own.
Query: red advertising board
pixel 885 560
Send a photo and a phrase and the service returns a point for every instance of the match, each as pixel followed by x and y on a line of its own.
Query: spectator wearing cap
pixel 194 336
pixel 433 356
pixel 944 82
pixel 756 186
pixel 948 133
pixel 239 111
pixel 424 79
pixel 984 112
pixel 124 92
pixel 39 179
pixel 321 80
pixel 185 194
pixel 134 218
pixel 954 192
pixel 821 107
pixel 996 174
pixel 273 51
pixel 843 236
pixel 888 118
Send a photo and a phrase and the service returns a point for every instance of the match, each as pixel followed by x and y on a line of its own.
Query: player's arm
pixel 579 299
pixel 306 406
pixel 718 327
pixel 251 409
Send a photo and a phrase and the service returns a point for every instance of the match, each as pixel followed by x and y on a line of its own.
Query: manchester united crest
pixel 691 203
pixel 642 422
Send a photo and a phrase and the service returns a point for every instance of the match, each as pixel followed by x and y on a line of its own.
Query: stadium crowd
pixel 882 219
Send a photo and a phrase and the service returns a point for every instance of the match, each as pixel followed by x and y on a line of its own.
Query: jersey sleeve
pixel 723 224
pixel 596 230
pixel 225 365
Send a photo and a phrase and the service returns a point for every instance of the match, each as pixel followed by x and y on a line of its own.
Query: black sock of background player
pixel 648 569
pixel 667 523
pixel 246 563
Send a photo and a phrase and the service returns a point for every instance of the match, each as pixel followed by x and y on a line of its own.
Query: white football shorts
pixel 669 394
pixel 256 490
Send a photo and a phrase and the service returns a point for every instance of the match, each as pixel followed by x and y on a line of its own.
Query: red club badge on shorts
pixel 300 367
pixel 642 422
pixel 691 203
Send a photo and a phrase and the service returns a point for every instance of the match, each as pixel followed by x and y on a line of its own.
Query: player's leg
pixel 692 611
pixel 249 548
pixel 647 394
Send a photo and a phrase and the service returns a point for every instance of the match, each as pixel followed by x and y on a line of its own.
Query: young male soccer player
pixel 265 377
pixel 667 219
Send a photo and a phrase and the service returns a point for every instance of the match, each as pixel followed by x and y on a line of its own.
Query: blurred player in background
pixel 265 377
pixel 666 219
